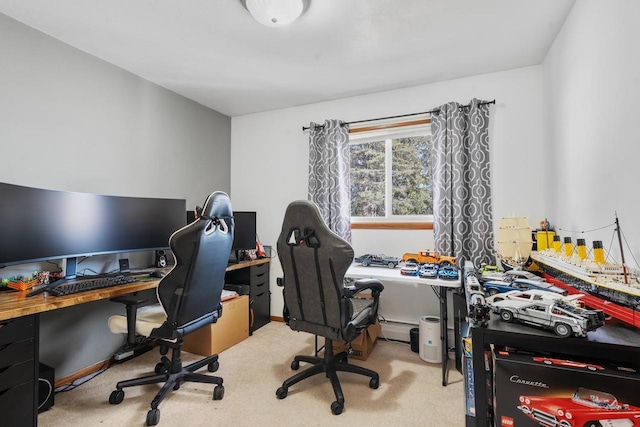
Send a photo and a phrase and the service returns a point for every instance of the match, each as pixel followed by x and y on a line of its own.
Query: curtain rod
pixel 435 110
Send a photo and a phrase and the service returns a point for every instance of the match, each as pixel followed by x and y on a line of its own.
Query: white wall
pixel 70 121
pixel 73 122
pixel 593 88
pixel 269 160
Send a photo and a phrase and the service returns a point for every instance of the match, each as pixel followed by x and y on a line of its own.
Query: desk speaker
pixel 161 258
pixel 46 384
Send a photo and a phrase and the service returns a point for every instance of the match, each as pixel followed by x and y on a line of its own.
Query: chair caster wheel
pixel 160 369
pixel 281 393
pixel 336 408
pixel 213 366
pixel 218 392
pixel 295 365
pixel 116 397
pixel 153 417
pixel 374 383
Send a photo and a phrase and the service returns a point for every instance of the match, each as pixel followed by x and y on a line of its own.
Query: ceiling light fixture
pixel 276 13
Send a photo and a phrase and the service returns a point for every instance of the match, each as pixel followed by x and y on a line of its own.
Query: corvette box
pixel 533 391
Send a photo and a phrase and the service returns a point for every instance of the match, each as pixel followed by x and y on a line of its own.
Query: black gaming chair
pixel 314 261
pixel 190 298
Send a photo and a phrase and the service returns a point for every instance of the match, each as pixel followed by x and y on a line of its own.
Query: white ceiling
pixel 213 52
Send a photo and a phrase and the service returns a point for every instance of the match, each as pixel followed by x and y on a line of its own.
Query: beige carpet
pixel 410 392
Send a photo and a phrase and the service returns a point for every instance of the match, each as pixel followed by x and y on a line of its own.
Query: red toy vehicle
pixel 571 363
pixel 586 408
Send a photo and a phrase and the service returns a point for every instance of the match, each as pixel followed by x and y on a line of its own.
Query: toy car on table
pixel 562 318
pixel 410 269
pixel 448 273
pixel 377 259
pixel 509 276
pixel 430 256
pixel 493 287
pixel 428 270
pixel 536 295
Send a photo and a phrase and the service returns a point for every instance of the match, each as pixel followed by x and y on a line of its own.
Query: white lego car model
pixel 564 319
pixel 536 295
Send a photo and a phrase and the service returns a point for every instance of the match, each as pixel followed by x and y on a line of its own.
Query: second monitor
pixel 244 229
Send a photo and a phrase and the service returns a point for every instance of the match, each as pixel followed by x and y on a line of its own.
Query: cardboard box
pixel 532 390
pixel 231 328
pixel 362 345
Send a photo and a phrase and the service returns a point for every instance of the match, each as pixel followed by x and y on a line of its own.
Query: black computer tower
pixel 46 386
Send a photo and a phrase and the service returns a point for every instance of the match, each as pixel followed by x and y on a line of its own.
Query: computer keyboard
pixel 89 285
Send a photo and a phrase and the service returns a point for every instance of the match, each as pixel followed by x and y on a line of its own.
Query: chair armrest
pixel 131 303
pixel 129 299
pixel 365 284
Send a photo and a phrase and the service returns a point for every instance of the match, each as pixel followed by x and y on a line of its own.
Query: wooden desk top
pixel 16 304
pixel 245 264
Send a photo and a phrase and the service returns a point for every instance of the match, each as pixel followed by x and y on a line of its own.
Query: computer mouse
pixel 158 274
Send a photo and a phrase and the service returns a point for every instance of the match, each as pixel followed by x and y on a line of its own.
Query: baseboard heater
pixel 399 330
pixel 396 330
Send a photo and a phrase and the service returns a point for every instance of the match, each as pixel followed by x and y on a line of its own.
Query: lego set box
pixel 468 380
pixel 533 391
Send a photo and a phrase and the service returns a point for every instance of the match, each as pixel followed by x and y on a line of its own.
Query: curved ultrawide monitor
pixel 38 224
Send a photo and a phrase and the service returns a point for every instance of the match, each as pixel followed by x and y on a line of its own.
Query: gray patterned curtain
pixel 329 175
pixel 463 224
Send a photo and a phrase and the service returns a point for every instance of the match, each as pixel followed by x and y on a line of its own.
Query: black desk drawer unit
pixel 257 277
pixel 18 371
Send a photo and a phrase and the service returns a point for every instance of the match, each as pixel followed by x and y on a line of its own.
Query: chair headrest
pixel 217 206
pixel 303 221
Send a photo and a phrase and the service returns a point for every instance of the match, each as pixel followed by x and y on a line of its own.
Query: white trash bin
pixel 430 344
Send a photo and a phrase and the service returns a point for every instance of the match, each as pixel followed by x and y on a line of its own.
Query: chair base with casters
pixel 172 373
pixel 330 365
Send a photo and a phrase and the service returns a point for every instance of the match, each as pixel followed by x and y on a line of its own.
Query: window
pixel 390 174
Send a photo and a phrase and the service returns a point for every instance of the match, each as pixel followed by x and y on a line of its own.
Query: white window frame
pixel 388 134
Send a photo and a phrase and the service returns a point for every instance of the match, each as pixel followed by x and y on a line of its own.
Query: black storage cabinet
pixel 19 371
pixel 257 279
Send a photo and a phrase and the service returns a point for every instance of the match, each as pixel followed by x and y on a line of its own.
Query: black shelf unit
pixel 499 333
pixel 19 371
pixel 256 278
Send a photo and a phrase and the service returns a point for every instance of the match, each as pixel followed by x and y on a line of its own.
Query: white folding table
pixel 439 286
